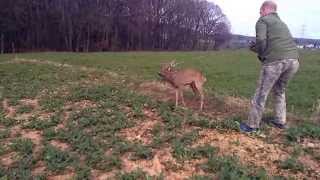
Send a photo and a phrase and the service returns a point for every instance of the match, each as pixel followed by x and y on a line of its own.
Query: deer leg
pixel 182 98
pixel 200 91
pixel 177 97
pixel 194 88
pixel 201 101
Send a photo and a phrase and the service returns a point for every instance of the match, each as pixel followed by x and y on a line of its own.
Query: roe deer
pixel 184 77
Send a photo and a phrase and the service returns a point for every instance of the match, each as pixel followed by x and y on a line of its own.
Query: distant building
pixel 241 41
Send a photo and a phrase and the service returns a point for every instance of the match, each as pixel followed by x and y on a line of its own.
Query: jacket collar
pixel 272 14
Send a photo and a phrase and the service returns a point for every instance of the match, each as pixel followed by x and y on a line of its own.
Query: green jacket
pixel 273 40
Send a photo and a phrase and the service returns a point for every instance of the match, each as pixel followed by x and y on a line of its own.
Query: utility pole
pixel 303 30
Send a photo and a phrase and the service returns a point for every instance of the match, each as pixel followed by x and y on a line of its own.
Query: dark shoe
pixel 278 125
pixel 245 128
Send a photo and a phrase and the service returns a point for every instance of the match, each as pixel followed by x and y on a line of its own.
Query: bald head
pixel 270 4
pixel 268 7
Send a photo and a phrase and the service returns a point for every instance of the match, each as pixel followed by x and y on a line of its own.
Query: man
pixel 278 54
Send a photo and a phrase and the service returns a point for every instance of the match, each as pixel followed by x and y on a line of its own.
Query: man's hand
pixel 252 46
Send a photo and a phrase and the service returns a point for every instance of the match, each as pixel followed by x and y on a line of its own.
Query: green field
pixel 232 73
pixel 84 116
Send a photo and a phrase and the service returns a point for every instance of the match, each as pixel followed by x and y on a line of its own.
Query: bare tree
pixel 97 25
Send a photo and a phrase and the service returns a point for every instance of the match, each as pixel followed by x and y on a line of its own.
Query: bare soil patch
pixel 8 159
pixel 11 111
pixel 67 175
pixel 73 107
pixel 213 106
pixel 254 151
pixel 100 175
pixel 39 168
pixel 34 136
pixel 60 145
pixel 163 162
pixel 77 106
pixel 142 132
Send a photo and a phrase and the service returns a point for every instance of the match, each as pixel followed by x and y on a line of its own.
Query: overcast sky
pixel 302 16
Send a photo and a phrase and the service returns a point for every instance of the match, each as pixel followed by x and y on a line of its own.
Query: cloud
pixel 295 13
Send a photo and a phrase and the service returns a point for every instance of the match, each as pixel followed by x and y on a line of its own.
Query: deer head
pixel 167 68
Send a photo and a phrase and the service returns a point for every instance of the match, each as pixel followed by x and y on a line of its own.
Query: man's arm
pixel 252 46
pixel 261 37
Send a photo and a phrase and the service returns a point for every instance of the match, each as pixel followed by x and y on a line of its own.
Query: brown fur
pixel 184 77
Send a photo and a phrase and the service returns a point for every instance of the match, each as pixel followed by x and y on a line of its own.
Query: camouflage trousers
pixel 273 76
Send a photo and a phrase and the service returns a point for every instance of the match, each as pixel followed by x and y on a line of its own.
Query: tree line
pixel 111 25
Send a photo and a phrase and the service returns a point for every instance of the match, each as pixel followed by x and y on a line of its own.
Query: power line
pixel 303 30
